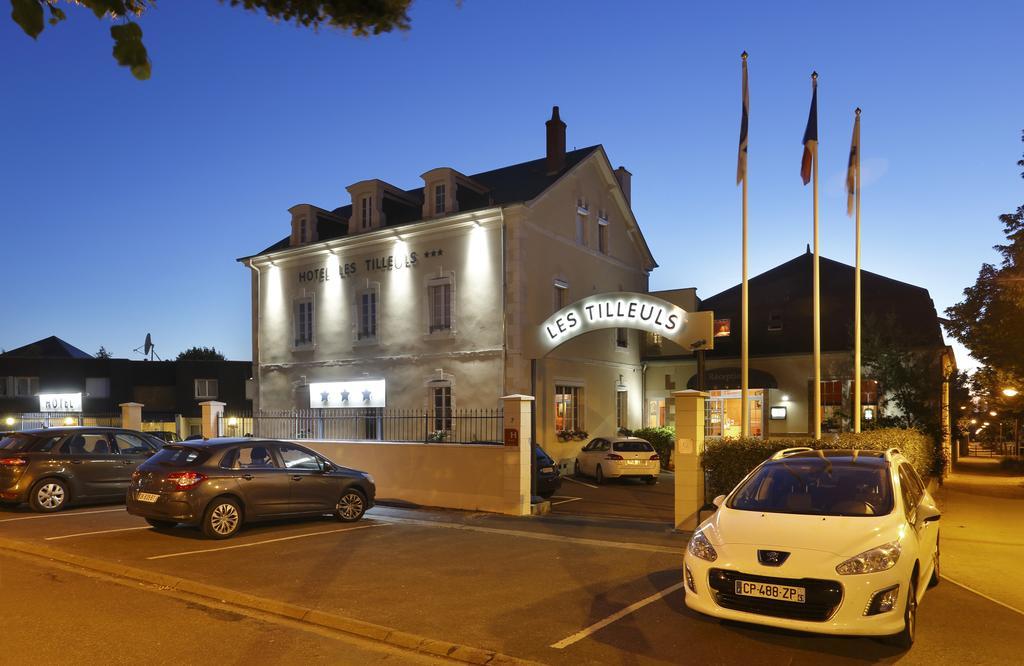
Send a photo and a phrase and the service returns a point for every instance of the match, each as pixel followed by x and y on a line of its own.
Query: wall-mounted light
pixel 9 421
pixel 869 413
pixel 785 398
pixel 68 420
pixel 232 421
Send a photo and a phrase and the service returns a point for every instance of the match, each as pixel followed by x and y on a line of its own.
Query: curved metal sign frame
pixel 623 309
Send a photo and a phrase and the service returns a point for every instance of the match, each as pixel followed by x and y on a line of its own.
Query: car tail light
pixel 186 480
pixel 655 457
pixel 136 475
pixel 14 462
pixel 613 456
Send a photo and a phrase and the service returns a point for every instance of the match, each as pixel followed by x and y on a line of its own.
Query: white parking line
pixel 78 534
pixel 983 595
pixel 588 485
pixel 265 541
pixel 563 500
pixel 597 626
pixel 62 514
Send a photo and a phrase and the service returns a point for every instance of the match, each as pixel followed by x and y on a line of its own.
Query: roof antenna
pixel 148 348
pixel 808 248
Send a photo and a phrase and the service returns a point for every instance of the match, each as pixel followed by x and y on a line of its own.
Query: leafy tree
pixel 989 321
pixel 103 353
pixel 201 354
pixel 360 17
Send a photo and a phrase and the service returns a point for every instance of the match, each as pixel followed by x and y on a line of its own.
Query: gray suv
pixel 52 467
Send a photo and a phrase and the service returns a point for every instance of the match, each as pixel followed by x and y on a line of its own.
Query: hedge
pixel 663 439
pixel 727 461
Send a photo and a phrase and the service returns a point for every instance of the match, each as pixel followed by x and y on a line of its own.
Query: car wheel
pixel 223 518
pixel 160 524
pixel 48 495
pixel 905 639
pixel 598 476
pixel 936 574
pixel 351 506
pixel 651 480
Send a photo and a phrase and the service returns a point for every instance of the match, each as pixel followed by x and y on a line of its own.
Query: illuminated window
pixel 441 403
pixel 367 212
pixel 204 389
pixel 722 328
pixel 304 322
pixel 439 301
pixel 366 315
pixel 439 199
pixel 568 408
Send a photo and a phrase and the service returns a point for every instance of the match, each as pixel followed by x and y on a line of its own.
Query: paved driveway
pixel 617 498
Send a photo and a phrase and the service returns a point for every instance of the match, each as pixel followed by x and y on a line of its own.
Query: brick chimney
pixel 625 179
pixel 556 143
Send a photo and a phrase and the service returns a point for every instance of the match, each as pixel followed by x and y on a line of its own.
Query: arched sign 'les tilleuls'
pixel 623 309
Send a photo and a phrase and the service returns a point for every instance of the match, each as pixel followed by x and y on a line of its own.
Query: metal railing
pixel 32 420
pixel 458 426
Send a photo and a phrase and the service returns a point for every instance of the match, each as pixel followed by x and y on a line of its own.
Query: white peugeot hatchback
pixel 615 457
pixel 833 542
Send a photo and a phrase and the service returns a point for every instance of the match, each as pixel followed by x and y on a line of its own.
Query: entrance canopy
pixel 623 309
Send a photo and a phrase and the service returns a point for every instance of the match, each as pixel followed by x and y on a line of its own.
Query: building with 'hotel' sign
pixel 438 296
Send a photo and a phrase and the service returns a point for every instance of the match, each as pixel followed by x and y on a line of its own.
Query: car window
pixel 909 490
pixel 591 444
pixel 179 456
pixel 294 458
pixel 131 444
pixel 605 446
pixel 86 443
pixel 634 447
pixel 21 442
pixel 254 457
pixel 816 487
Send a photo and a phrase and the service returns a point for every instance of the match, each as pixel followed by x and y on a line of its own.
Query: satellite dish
pixel 148 348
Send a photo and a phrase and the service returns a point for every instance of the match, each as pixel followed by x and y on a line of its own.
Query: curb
pixel 368 630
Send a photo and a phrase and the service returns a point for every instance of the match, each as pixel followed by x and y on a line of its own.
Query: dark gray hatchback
pixel 52 467
pixel 220 483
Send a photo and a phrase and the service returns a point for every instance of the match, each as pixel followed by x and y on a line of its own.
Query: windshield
pixel 816 486
pixel 633 447
pixel 20 442
pixel 179 456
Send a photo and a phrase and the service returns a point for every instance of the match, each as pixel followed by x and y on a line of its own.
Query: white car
pixel 613 457
pixel 832 542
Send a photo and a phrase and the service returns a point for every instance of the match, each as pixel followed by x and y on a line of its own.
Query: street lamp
pixel 1009 392
pixel 992 413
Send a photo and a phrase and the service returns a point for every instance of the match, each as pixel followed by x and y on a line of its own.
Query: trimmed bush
pixel 727 461
pixel 663 440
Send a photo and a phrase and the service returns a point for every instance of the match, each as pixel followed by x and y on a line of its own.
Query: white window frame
pixel 440 281
pixel 440 206
pixel 303 343
pixel 372 288
pixel 205 392
pixel 444 417
pixel 603 236
pixel 574 416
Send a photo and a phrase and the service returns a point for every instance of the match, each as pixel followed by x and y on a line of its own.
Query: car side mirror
pixel 718 501
pixel 927 513
pixel 328 467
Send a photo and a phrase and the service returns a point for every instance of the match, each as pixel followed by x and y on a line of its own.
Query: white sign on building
pixel 363 393
pixel 60 402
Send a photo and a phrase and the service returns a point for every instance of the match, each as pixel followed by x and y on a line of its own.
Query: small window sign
pixel 722 328
pixel 777 414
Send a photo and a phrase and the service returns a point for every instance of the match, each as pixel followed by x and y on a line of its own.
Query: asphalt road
pixel 516 586
pixel 617 498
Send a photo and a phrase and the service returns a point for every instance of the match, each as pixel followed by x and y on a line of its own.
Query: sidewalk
pixel 982 533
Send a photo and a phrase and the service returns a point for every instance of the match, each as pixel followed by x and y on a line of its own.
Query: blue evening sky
pixel 124 203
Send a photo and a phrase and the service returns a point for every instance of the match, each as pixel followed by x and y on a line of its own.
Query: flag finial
pixel 744 55
pixel 857 111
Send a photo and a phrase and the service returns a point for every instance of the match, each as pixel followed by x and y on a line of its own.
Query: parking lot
pixel 538 589
pixel 629 498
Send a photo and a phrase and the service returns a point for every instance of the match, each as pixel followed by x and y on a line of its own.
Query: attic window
pixel 303 233
pixel 366 212
pixel 439 194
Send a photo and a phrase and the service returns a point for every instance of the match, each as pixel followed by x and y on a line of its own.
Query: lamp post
pixel 1012 392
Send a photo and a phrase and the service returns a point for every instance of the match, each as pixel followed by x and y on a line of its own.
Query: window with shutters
pixel 439 304
pixel 304 322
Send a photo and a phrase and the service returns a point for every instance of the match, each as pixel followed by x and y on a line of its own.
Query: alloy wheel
pixel 50 495
pixel 350 506
pixel 224 518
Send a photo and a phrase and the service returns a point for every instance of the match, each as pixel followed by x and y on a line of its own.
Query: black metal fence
pixel 457 426
pixel 32 420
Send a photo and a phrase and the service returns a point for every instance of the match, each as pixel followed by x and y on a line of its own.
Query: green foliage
pixel 727 461
pixel 437 436
pixel 663 439
pixel 360 17
pixel 201 354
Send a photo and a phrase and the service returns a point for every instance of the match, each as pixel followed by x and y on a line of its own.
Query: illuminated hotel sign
pixel 690 330
pixel 356 394
pixel 60 402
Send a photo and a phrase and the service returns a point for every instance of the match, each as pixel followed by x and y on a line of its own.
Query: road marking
pixel 265 541
pixel 597 626
pixel 983 595
pixel 62 514
pixel 540 536
pixel 588 485
pixel 78 534
pixel 563 500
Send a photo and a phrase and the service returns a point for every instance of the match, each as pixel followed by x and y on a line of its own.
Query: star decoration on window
pixel 344 396
pixel 324 395
pixel 366 395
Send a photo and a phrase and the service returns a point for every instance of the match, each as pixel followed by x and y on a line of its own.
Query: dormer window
pixel 303 231
pixel 366 212
pixel 439 194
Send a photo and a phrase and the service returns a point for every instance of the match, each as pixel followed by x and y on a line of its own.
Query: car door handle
pixel 76 462
pixel 297 477
pixel 247 477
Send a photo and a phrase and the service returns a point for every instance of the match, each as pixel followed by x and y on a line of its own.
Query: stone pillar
pixel 518 449
pixel 131 415
pixel 213 410
pixel 689 475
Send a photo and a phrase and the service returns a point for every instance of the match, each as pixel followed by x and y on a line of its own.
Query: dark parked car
pixel 52 467
pixel 548 479
pixel 165 435
pixel 220 483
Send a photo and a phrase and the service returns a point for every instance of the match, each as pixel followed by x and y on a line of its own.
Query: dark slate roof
pixel 507 185
pixel 51 347
pixel 786 291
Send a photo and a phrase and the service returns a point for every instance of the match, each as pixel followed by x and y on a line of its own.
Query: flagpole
pixel 816 297
pixel 744 339
pixel 856 291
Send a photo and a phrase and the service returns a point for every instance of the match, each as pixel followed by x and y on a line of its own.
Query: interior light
pixel 68 420
pixel 9 421
pixel 232 421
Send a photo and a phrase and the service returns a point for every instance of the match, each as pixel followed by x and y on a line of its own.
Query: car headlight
pixel 699 546
pixel 870 561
